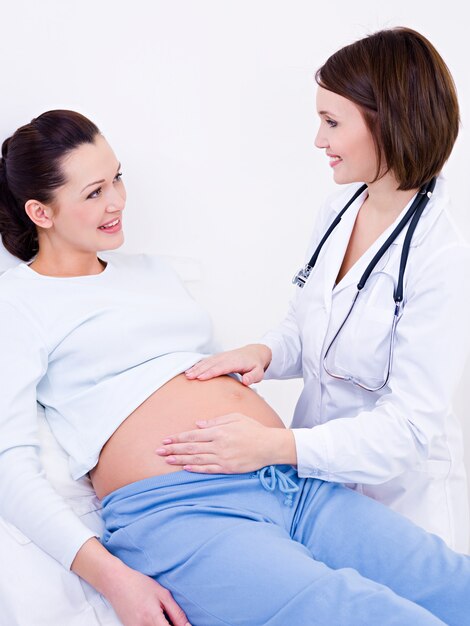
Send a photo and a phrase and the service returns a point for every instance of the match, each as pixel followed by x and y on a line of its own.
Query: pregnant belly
pixel 129 454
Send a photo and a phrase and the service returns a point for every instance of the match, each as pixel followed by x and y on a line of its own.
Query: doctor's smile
pixel 334 160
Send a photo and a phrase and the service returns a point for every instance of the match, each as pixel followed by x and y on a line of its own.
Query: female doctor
pixel 378 325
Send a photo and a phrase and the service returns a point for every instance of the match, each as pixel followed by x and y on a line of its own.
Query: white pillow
pixel 6 259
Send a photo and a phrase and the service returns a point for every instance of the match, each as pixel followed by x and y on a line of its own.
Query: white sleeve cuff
pixel 312 453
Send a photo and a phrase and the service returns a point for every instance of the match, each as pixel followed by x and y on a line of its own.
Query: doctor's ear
pixel 39 213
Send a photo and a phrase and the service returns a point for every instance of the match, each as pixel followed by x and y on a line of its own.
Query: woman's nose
pixel 116 199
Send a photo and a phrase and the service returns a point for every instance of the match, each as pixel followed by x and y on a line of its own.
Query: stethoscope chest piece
pixel 300 278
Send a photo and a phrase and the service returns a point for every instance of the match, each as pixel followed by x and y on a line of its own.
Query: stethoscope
pixel 412 216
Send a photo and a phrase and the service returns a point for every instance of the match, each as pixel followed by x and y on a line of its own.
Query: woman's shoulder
pixel 11 282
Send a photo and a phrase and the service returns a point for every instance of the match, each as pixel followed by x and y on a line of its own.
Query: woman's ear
pixel 39 213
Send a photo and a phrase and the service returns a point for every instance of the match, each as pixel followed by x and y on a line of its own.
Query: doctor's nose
pixel 320 140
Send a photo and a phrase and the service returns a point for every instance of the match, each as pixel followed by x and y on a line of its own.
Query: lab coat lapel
pixel 335 249
pixel 355 273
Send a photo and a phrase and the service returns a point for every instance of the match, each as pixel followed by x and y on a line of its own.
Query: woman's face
pixel 87 209
pixel 346 139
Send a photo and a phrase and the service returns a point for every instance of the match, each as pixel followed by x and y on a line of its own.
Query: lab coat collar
pixel 336 247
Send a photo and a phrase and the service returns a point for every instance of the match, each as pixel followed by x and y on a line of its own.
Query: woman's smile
pixel 113 226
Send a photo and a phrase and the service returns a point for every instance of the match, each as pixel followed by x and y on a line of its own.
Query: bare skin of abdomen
pixel 129 454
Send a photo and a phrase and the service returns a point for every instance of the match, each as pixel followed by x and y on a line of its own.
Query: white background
pixel 210 106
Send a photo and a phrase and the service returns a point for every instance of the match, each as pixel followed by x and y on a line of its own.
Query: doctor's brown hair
pixel 30 169
pixel 407 97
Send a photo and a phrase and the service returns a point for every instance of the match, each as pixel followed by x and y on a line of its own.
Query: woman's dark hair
pixel 30 169
pixel 407 96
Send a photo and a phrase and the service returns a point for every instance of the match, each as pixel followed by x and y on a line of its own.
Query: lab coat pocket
pixel 361 349
pixel 436 469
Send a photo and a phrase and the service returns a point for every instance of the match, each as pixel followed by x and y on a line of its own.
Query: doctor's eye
pixel 331 123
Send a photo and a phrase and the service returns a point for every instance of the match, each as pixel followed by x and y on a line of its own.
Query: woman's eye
pixel 118 176
pixel 331 123
pixel 95 194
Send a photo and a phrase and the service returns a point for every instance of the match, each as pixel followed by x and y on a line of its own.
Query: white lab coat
pixel 401 445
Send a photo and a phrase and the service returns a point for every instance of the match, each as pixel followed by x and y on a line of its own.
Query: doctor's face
pixel 346 139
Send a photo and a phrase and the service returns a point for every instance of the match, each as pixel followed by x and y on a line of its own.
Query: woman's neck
pixel 67 265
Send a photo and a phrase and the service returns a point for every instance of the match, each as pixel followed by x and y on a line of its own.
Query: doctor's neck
pixel 385 197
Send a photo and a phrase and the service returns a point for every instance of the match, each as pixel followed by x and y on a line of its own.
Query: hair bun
pixel 5 145
pixel 3 170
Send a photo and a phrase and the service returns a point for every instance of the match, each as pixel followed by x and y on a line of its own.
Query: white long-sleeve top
pixel 401 445
pixel 90 349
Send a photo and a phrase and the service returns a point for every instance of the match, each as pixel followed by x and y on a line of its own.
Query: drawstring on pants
pixel 270 477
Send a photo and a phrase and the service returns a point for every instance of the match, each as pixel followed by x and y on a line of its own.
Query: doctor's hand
pixel 230 444
pixel 251 361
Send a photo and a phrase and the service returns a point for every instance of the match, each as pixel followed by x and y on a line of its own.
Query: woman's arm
pixel 28 500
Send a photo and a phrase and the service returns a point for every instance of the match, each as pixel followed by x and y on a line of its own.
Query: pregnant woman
pixel 104 346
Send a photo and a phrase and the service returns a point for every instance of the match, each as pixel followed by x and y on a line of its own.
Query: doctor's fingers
pixel 202 367
pixel 220 364
pixel 194 460
pixel 186 448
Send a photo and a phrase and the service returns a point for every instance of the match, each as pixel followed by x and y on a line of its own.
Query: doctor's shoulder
pixel 437 232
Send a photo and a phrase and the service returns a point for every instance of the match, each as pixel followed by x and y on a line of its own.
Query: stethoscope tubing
pixel 414 213
pixel 412 216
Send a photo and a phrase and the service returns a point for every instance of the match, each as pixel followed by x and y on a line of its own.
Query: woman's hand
pixel 251 361
pixel 230 444
pixel 137 599
pixel 140 601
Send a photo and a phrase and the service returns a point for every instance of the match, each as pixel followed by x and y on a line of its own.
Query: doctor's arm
pixel 378 444
pixel 431 346
pixel 29 501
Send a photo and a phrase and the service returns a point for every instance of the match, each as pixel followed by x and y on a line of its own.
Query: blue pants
pixel 271 549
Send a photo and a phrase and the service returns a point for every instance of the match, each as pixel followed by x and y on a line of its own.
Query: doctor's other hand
pixel 229 444
pixel 251 361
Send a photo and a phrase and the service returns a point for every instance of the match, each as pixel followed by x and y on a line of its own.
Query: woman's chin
pixel 114 242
